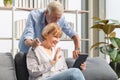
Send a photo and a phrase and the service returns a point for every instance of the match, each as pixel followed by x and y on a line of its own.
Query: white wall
pixel 6 28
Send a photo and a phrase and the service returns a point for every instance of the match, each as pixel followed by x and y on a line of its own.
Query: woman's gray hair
pixel 55 6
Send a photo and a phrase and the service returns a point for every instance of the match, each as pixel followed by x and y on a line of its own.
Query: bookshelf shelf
pixel 76 11
pixel 5 8
pixel 30 9
pixel 66 11
pixel 26 9
pixel 5 38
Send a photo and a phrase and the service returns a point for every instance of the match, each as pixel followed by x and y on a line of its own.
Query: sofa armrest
pixel 7 68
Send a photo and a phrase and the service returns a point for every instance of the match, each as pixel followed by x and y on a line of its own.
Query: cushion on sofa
pixel 7 69
pixel 99 69
pixel 20 66
pixel 96 69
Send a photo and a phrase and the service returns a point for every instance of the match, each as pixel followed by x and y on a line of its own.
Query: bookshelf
pixel 22 5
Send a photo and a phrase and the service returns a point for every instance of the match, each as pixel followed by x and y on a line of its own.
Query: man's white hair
pixel 55 6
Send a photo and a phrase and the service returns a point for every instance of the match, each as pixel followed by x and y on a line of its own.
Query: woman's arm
pixel 61 64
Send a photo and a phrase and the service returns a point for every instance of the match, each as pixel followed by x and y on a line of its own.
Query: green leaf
pixel 117 59
pixel 105 21
pixel 117 26
pixel 97 44
pixel 115 42
pixel 113 34
pixel 106 49
pixel 98 26
pixel 113 55
pixel 108 28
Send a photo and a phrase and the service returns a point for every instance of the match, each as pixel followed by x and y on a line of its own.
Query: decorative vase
pixel 8 3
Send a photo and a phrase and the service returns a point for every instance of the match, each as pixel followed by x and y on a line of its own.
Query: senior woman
pixel 46 61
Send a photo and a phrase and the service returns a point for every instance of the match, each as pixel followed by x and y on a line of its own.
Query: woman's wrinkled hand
pixel 57 56
pixel 83 66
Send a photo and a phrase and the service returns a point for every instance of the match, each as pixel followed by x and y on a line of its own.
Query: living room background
pixel 10 18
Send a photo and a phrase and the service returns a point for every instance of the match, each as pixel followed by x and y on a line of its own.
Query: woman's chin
pixel 53 45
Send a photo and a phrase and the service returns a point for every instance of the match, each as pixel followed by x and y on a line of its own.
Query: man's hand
pixel 75 53
pixel 35 43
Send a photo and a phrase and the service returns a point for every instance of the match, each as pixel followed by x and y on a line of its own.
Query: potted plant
pixel 8 3
pixel 111 45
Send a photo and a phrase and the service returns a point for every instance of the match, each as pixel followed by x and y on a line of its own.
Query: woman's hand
pixel 83 66
pixel 57 55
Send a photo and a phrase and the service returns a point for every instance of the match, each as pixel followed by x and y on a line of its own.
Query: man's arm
pixel 34 43
pixel 77 46
pixel 67 29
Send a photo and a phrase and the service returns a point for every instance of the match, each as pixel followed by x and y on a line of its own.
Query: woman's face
pixel 52 40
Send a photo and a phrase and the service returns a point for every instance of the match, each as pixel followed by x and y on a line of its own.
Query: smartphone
pixel 81 58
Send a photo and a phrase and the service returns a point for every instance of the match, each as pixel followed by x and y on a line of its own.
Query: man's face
pixel 53 16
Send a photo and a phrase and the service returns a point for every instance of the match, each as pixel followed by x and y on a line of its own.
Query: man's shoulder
pixel 41 10
pixel 62 20
pixel 38 11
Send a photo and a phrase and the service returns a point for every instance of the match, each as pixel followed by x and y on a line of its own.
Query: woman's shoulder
pixel 31 49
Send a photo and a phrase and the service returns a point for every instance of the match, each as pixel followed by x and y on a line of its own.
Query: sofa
pixel 14 68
